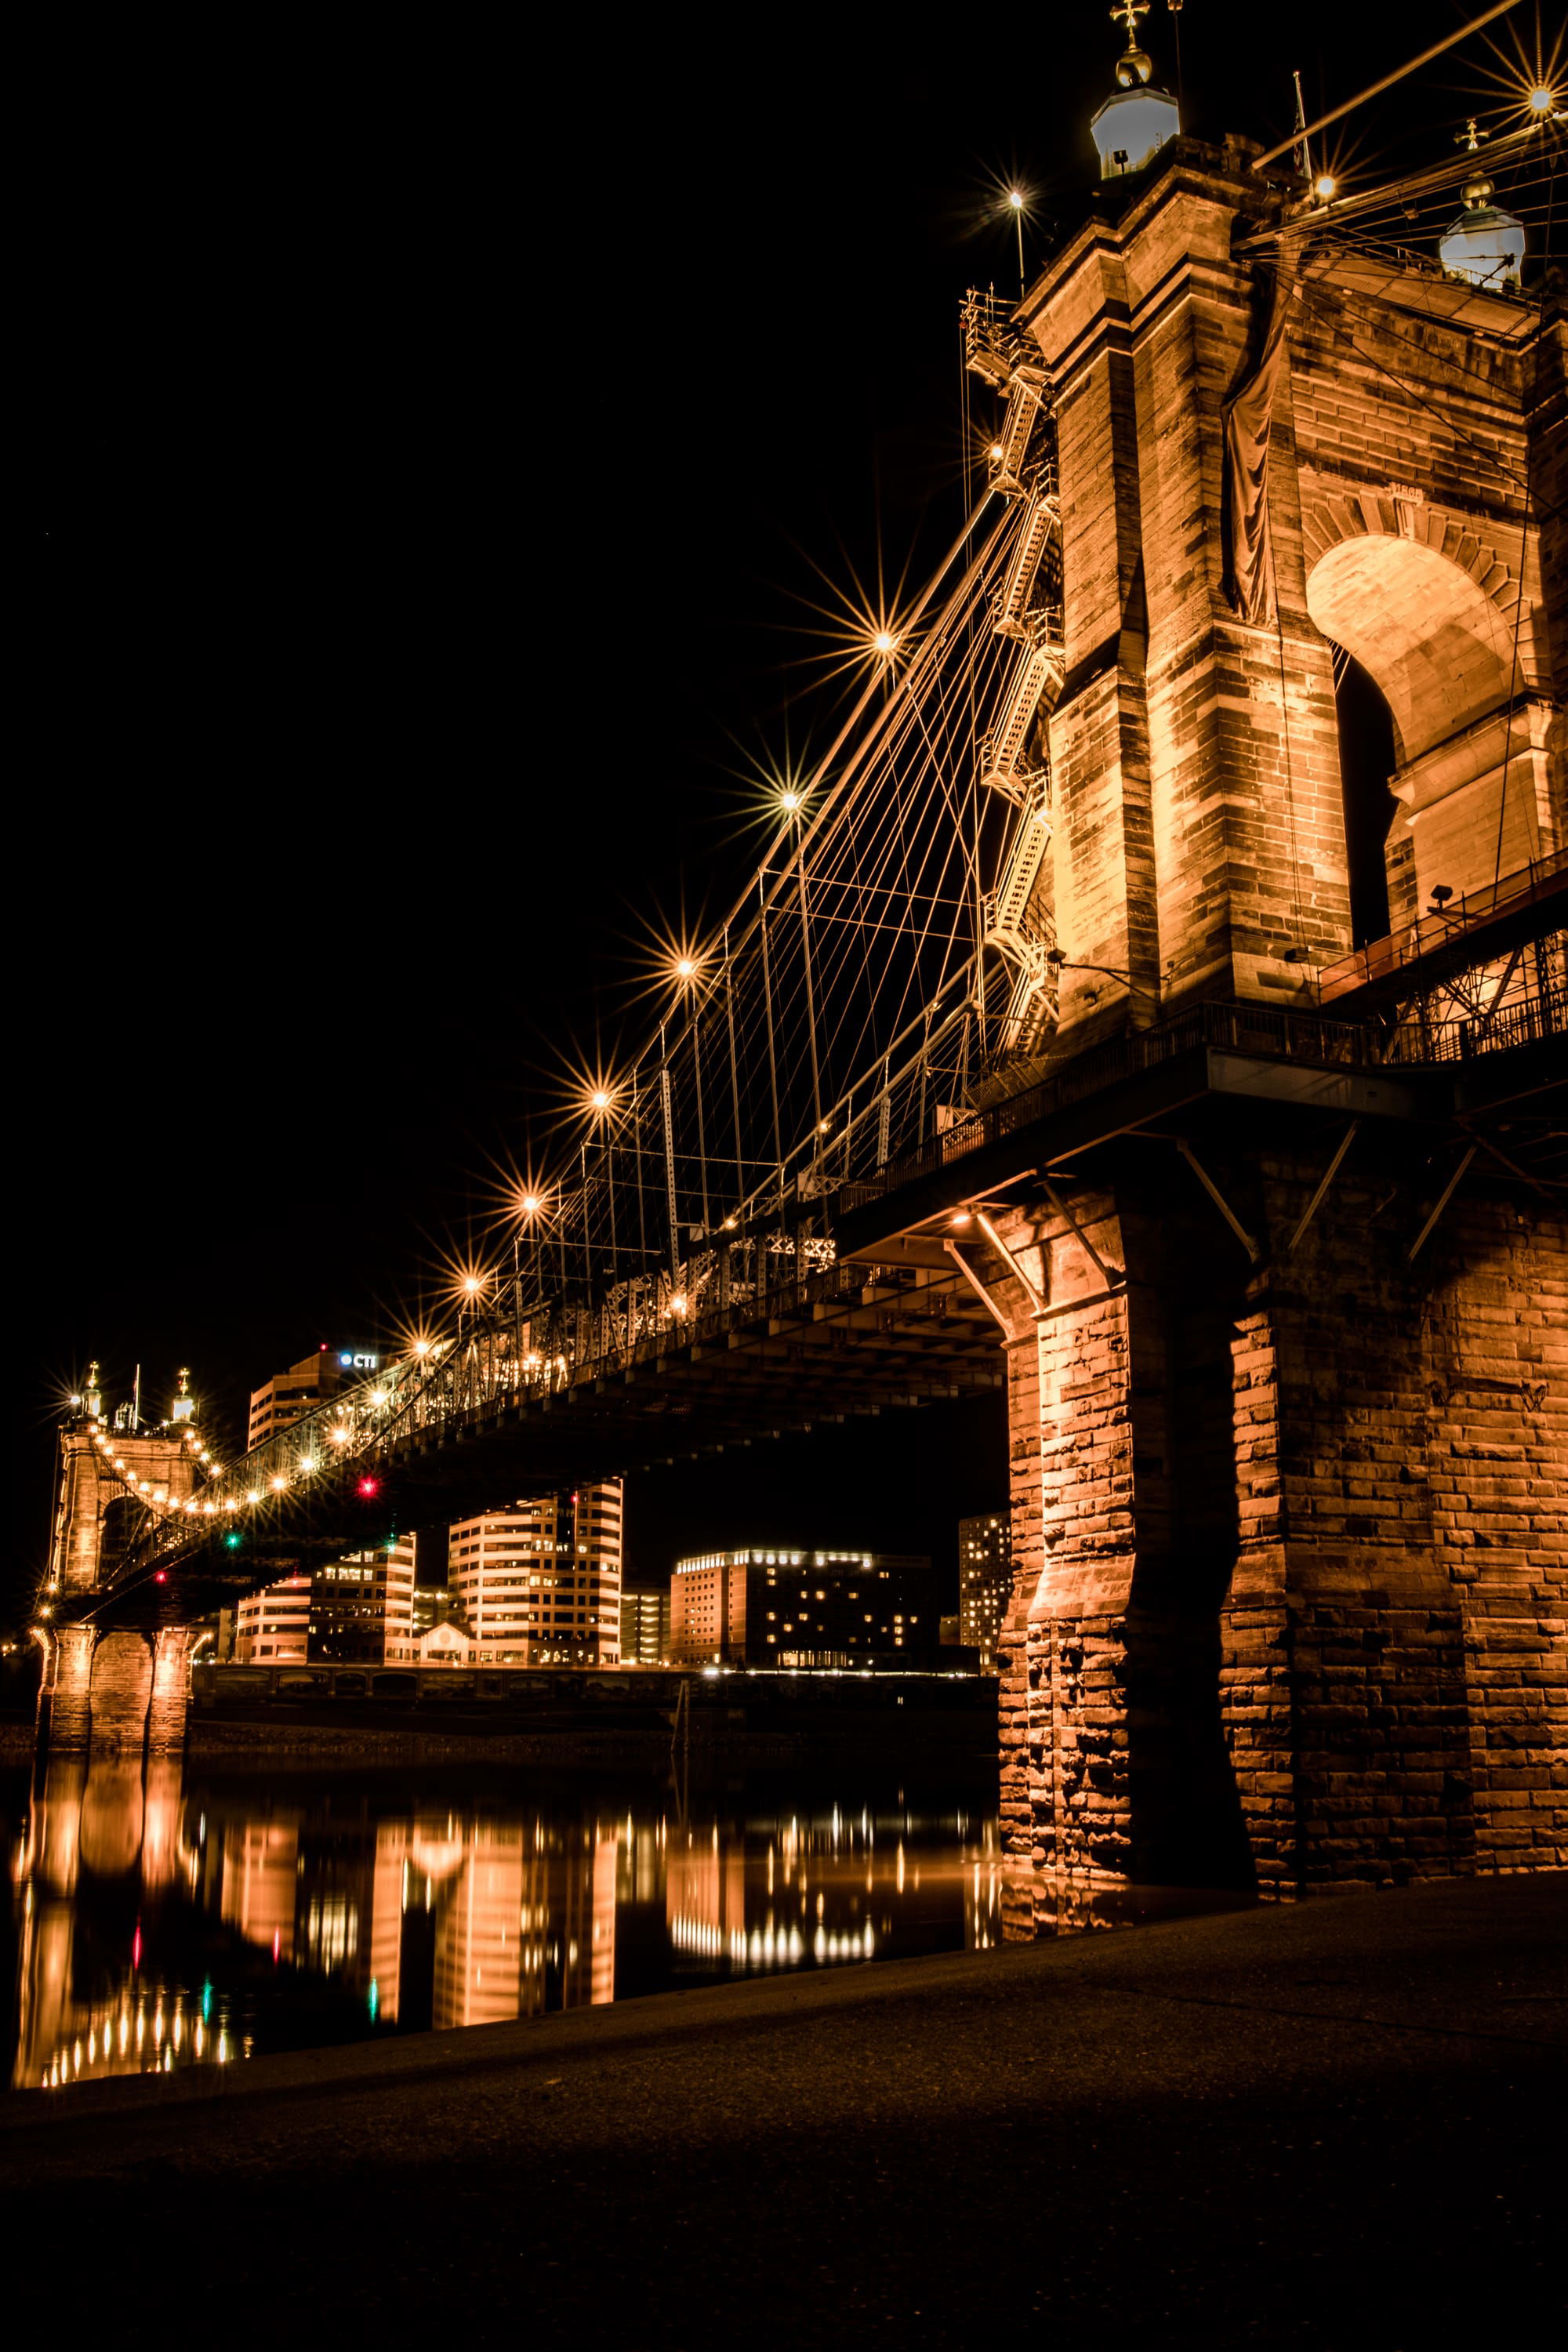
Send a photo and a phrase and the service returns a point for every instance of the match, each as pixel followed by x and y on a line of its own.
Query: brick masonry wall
pixel 1199 828
pixel 1199 832
pixel 122 1689
pixel 1292 1564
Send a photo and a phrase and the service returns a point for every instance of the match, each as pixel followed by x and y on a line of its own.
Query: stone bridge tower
pixel 130 1686
pixel 1289 1471
pixel 1286 1325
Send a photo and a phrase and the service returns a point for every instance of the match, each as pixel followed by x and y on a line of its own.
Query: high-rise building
pixel 362 1606
pixel 359 1611
pixel 314 1380
pixel 540 1584
pixel 755 1606
pixel 645 1628
pixel 985 1583
pixel 273 1627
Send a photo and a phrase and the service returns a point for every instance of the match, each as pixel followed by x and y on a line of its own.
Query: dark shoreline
pixel 1316 2123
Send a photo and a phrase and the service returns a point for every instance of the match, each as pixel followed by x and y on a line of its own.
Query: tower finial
pixel 1476 190
pixel 1134 124
pixel 1134 65
pixel 1485 245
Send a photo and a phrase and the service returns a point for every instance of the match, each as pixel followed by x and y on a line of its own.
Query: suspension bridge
pixel 1038 1052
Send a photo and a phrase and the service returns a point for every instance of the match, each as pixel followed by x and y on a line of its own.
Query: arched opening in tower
pixel 1439 657
pixel 1367 760
pixel 123 1521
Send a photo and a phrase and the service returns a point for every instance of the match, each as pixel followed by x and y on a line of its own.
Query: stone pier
pixel 1292 1599
pixel 125 1690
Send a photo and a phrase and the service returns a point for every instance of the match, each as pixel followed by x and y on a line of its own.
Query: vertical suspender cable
pixel 734 1066
pixel 642 1220
pixel 810 1006
pixel 701 1129
pixel 610 1201
pixel 669 1164
pixel 772 1057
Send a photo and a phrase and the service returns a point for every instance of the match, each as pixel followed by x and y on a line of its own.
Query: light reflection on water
pixel 168 1919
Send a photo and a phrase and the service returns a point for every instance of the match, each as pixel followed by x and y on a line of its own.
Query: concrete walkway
pixel 1338 2125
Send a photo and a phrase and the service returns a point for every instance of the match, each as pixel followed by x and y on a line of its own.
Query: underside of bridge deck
pixel 851 1341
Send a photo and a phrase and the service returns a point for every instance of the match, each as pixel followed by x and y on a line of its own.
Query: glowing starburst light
pixel 1016 198
pixel 884 642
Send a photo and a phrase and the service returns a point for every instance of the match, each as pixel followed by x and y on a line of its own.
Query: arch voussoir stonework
pixel 1328 518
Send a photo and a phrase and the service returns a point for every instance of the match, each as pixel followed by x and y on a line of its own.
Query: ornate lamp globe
pixel 1131 127
pixel 1485 245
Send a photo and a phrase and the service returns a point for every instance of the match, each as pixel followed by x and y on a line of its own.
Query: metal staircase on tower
pixel 1027 609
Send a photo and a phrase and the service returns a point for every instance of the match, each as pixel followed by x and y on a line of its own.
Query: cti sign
pixel 358 1359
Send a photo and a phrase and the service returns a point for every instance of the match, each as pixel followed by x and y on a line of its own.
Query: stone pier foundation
pixel 1291 1583
pixel 170 1695
pixel 127 1691
pixel 66 1698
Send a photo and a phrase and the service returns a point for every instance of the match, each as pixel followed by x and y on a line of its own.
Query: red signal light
pixel 370 1485
pixel 161 1576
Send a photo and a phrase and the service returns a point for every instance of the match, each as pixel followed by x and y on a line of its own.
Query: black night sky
pixel 433 438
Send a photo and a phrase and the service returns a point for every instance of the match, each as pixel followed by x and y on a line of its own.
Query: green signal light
pixel 233 1540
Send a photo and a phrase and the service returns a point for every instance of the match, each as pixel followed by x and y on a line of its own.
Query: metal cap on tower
pixel 1131 127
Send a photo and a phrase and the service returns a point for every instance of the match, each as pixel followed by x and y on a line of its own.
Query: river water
pixel 167 1917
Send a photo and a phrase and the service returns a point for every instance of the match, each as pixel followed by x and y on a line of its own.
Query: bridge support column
pixel 170 1699
pixel 68 1689
pixel 1291 1611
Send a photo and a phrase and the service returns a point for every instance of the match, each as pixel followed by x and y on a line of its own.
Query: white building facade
pixel 540 1584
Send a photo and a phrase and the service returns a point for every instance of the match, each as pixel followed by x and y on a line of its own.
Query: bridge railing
pixel 1277 1031
pixel 1384 959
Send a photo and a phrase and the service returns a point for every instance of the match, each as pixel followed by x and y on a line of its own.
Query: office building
pixel 645 1628
pixel 273 1627
pixel 314 1380
pixel 540 1584
pixel 359 1611
pixel 764 1606
pixel 985 1583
